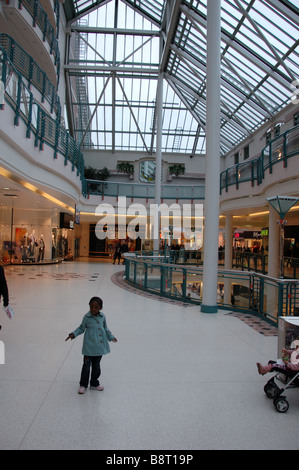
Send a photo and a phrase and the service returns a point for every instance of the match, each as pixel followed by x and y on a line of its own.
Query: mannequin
pixel 41 248
pixel 24 244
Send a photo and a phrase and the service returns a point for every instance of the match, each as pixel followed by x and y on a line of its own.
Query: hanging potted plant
pixel 176 169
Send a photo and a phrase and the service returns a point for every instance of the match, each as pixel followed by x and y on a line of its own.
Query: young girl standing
pixel 95 344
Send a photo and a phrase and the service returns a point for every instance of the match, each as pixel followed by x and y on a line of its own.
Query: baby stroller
pixel 272 390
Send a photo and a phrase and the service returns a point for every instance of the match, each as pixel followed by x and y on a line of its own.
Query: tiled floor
pixel 176 379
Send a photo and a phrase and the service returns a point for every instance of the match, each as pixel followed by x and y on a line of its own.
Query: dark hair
pixel 98 300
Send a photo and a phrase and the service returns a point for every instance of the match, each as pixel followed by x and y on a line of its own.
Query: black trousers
pixel 92 362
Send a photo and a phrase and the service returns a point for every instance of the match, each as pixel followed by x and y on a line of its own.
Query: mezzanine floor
pixel 176 379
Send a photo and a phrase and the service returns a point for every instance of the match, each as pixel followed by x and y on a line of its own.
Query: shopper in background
pixel 3 288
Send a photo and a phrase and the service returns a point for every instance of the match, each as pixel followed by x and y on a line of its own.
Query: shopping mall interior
pixel 168 129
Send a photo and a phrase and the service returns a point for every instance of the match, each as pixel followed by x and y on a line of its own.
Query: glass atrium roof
pixel 118 47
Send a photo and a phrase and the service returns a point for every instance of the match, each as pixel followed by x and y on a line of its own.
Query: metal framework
pixel 116 48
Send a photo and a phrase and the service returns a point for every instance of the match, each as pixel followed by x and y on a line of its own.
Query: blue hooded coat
pixel 96 335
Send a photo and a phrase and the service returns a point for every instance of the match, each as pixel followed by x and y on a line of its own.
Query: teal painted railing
pixel 279 150
pixel 243 261
pixel 143 191
pixel 45 130
pixel 40 19
pixel 31 71
pixel 251 292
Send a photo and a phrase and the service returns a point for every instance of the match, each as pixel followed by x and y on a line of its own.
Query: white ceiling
pixel 14 195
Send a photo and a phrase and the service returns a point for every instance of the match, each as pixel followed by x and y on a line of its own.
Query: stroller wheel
pixel 281 404
pixel 271 389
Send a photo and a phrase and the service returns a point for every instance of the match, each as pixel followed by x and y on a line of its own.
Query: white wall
pixel 257 141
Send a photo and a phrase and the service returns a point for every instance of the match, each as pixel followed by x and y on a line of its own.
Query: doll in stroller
pixel 286 370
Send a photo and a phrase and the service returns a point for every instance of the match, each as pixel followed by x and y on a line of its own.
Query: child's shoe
pixel 99 388
pixel 81 390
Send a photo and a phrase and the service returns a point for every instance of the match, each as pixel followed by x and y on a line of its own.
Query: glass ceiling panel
pixel 153 9
pixel 113 73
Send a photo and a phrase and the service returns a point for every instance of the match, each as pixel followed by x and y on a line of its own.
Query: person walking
pixel 117 253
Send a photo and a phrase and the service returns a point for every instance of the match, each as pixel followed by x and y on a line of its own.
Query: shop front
pixel 34 236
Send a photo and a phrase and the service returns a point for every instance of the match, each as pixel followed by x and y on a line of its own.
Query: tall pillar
pixel 228 242
pixel 159 110
pixel 211 229
pixel 273 241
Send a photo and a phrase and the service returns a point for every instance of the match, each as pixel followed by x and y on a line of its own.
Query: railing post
pixel 261 296
pixel 145 274
pixel 56 139
pixel 42 130
pixel 162 279
pixel 35 12
pixel 3 76
pixel 237 176
pixel 270 157
pixel 280 300
pixel 30 74
pixel 184 283
pixel 285 158
pixel 226 180
pixel 18 101
pixel 28 132
pixel 135 269
pixel 66 149
pixel 37 127
pixel 252 174
pixel 44 86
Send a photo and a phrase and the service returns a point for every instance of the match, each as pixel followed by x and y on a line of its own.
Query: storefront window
pixel 28 236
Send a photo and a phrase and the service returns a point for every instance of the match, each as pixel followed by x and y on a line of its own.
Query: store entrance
pixel 97 247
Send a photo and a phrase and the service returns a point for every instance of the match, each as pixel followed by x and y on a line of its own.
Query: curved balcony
pixel 46 131
pixel 253 293
pixel 31 71
pixel 279 150
pixel 146 192
pixel 34 15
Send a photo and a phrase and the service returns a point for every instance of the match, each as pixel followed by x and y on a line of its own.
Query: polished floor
pixel 176 379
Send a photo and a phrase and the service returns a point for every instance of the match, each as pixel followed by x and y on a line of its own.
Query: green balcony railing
pixel 279 150
pixel 39 124
pixel 251 292
pixel 31 71
pixel 143 191
pixel 40 19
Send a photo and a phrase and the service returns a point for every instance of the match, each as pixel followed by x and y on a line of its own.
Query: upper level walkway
pixel 176 379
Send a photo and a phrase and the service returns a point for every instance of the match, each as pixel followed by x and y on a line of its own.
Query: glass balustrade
pixel 246 292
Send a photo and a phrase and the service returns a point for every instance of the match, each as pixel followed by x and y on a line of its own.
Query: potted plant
pixel 94 174
pixel 176 169
pixel 126 167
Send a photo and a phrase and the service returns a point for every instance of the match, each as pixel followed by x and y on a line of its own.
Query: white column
pixel 228 241
pixel 210 266
pixel 273 241
pixel 159 110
